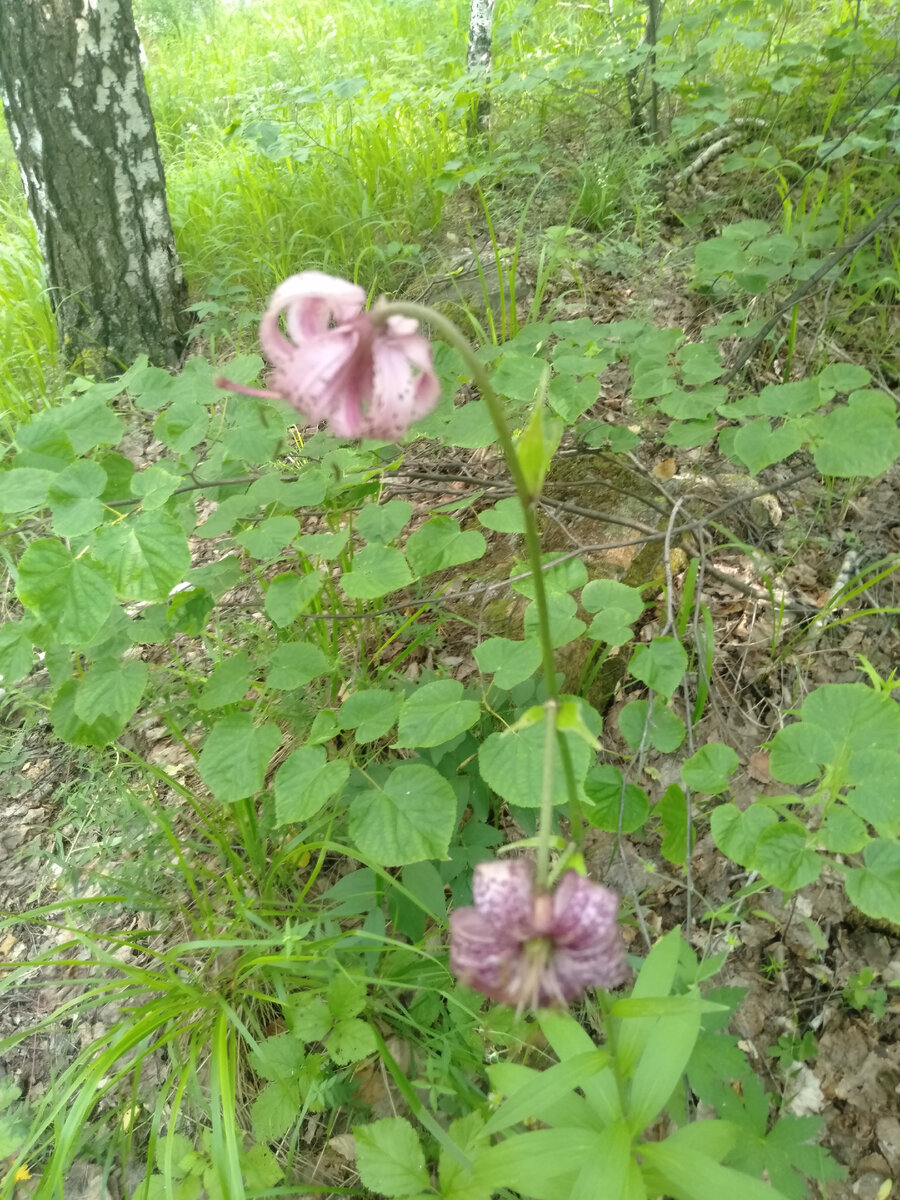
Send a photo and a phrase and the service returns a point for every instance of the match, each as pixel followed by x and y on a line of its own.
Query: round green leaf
pixel 70 727
pixel 289 595
pixel 410 818
pixel 687 434
pixel 304 781
pixel 309 1017
pixel 565 577
pixel 274 1110
pixel 323 728
pixel 855 716
pixel 877 806
pixel 758 445
pixel 600 594
pixel 231 509
pixel 346 997
pixel 270 537
pixel 146 555
pixel 696 405
pixel 66 593
pixel 511 764
pixel 859 439
pixel 843 377
pixel 709 769
pixel 700 363
pixel 435 713
pixel 789 399
pixel 154 485
pixel 371 714
pixel 842 832
pixel 603 788
pixel 227 684
pixel 565 627
pixel 383 522
pixel 235 756
pixel 839 722
pixel 43 447
pixel 256 435
pixel 88 421
pixel 568 396
pixel 510 662
pixel 111 688
pixel 470 426
pixel 308 489
pixel 326 546
pixel 16 653
pixel 799 751
pixel 661 665
pixel 875 888
pixel 611 626
pixel 377 570
pixel 440 543
pixel 23 488
pixel 504 517
pixel 736 833
pixel 784 858
pixel 664 730
pixel 295 664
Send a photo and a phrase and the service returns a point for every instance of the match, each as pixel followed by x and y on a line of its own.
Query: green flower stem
pixel 546 818
pixel 448 331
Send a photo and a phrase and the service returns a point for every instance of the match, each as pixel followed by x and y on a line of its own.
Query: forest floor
pixel 810 965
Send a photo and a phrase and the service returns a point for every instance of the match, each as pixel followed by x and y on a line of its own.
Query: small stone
pixel 868 1186
pixel 888 1133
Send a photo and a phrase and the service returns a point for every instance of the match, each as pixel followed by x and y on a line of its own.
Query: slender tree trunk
pixel 478 61
pixel 654 9
pixel 78 114
pixel 646 125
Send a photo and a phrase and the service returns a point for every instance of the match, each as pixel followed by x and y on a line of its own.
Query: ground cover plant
pixel 450 740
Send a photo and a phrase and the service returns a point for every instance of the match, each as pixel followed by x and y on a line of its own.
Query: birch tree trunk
pixel 79 118
pixel 478 60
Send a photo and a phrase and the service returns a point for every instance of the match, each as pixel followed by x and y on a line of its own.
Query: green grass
pixel 195 934
pixel 28 343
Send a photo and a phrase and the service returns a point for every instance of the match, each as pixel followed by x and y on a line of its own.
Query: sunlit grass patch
pixel 28 339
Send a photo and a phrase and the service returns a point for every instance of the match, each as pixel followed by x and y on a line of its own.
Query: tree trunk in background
pixel 478 60
pixel 654 12
pixel 80 122
pixel 646 126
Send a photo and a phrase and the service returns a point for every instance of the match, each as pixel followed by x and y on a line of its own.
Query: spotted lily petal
pixel 532 948
pixel 480 956
pixel 368 377
pixel 503 892
pixel 582 911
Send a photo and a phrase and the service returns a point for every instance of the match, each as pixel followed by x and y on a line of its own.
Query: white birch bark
pixel 79 118
pixel 478 59
pixel 481 24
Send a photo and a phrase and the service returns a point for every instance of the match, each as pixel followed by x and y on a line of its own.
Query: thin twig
pixel 848 249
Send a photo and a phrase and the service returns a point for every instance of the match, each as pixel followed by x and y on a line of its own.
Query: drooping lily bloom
pixel 336 362
pixel 531 949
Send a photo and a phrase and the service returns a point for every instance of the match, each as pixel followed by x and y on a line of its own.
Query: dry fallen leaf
pixel 758 767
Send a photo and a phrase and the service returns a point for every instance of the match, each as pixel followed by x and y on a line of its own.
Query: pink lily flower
pixel 336 362
pixel 530 949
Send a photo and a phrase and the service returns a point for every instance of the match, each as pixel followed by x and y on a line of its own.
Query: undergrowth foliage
pixel 307 733
pixel 261 602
